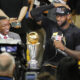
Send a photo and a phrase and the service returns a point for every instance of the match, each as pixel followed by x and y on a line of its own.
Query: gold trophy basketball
pixel 32 42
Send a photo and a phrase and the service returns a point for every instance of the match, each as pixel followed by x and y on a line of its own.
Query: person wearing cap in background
pixel 62 37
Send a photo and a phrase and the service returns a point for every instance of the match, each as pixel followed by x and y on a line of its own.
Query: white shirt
pixel 2 36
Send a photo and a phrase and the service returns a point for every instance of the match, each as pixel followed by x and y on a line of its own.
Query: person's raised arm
pixel 23 10
pixel 38 11
pixel 3 14
pixel 22 13
pixel 31 5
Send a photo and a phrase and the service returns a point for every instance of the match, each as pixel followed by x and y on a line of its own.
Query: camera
pixel 17 51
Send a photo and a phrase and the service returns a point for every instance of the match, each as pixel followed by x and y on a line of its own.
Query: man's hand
pixel 16 24
pixel 12 20
pixel 60 4
pixel 29 15
pixel 59 45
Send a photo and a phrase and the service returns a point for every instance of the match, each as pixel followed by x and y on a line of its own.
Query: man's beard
pixel 63 24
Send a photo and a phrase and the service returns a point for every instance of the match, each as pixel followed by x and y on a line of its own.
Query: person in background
pixel 15 10
pixel 30 7
pixel 68 69
pixel 7 66
pixel 75 8
pixel 5 32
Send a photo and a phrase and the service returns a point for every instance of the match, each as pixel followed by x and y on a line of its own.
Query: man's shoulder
pixel 13 35
pixel 75 28
pixel 75 32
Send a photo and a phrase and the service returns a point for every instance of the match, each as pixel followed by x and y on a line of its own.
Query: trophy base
pixel 33 64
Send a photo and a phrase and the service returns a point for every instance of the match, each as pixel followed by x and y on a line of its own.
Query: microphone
pixel 59 37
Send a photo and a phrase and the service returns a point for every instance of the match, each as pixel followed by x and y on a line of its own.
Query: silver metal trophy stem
pixel 33 63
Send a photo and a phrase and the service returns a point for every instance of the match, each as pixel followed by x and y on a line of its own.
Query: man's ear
pixel 69 18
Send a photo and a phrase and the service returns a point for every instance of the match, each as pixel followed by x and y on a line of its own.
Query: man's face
pixel 61 19
pixel 4 26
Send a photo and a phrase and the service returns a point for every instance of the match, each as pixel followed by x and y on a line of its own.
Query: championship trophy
pixel 32 43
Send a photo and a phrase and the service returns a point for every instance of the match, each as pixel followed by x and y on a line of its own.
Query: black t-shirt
pixel 12 7
pixel 72 38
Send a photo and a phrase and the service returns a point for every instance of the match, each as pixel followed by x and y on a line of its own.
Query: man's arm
pixel 31 5
pixel 74 53
pixel 23 10
pixel 3 14
pixel 22 13
pixel 37 12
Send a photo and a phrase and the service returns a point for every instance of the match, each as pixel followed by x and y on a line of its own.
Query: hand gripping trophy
pixel 32 42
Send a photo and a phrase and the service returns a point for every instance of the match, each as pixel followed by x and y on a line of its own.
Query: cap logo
pixel 60 10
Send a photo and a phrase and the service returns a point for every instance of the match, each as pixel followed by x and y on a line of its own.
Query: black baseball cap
pixel 62 10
